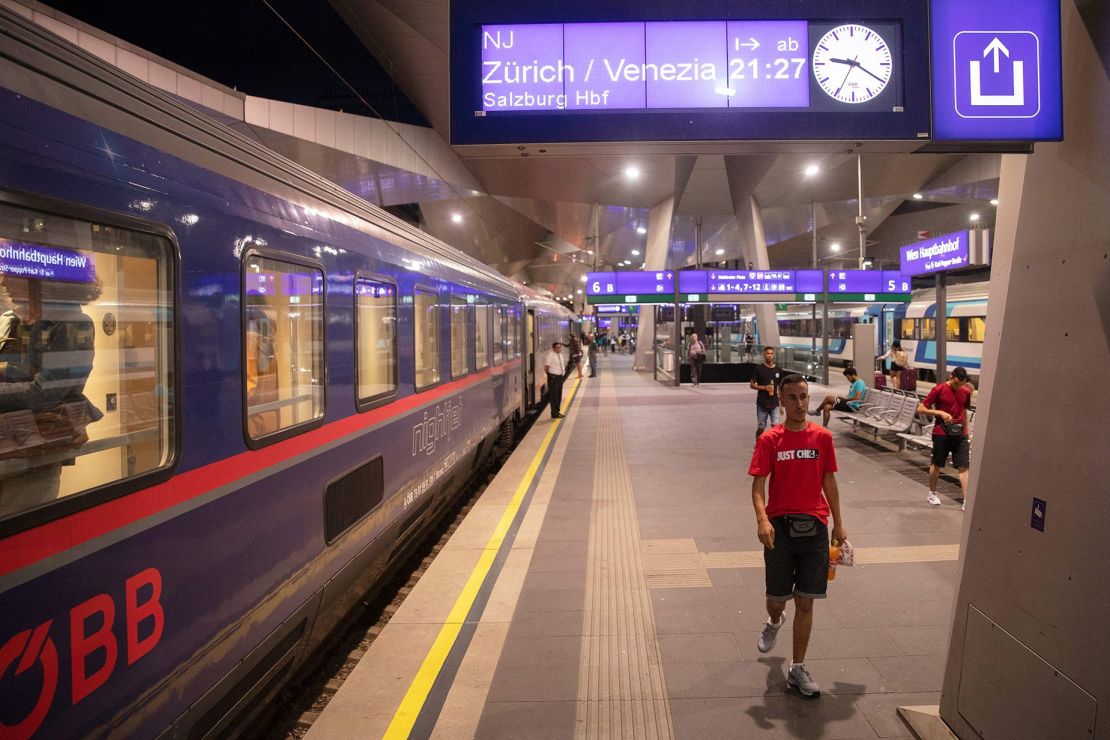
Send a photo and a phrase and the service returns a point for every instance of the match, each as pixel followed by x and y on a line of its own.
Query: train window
pixel 952 330
pixel 460 347
pixel 86 357
pixel 283 335
pixel 426 325
pixel 481 336
pixel 976 328
pixel 498 334
pixel 376 322
pixel 512 337
pixel 908 329
pixel 928 329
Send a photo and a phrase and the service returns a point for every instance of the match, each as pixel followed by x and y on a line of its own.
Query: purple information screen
pixel 601 283
pixel 809 281
pixel 693 281
pixel 22 259
pixel 645 65
pixel 948 252
pixel 855 281
pixel 645 283
pixel 739 282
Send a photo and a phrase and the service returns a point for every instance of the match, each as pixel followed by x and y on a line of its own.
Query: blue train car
pixel 231 394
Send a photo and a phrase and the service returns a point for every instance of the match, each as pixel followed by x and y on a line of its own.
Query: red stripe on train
pixel 24 548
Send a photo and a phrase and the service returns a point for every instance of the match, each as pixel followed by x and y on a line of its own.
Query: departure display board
pixel 835 70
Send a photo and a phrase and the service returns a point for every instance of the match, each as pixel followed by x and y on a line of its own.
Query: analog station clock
pixel 852 63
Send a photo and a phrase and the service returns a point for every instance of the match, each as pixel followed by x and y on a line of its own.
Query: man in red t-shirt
pixel 949 402
pixel 799 458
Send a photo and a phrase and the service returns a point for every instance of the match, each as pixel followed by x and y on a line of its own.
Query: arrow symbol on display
pixel 750 44
pixel 996 46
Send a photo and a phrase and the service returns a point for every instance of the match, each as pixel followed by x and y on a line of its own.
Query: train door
pixel 886 329
pixel 530 364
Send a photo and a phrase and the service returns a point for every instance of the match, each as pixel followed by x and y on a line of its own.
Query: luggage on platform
pixel 909 379
pixel 880 379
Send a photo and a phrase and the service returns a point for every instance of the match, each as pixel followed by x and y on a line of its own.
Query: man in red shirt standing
pixel 949 402
pixel 799 458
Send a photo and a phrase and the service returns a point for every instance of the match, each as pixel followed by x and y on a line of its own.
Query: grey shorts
pixel 766 417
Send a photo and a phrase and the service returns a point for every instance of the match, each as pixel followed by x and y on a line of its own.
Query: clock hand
pixel 849 62
pixel 844 81
pixel 865 69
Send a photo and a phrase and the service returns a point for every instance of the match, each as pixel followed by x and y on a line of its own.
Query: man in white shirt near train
pixel 555 367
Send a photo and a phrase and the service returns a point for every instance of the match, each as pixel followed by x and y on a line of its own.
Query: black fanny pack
pixel 953 428
pixel 800 525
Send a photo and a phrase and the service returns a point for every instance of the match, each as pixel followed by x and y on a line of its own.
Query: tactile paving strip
pixel 620 683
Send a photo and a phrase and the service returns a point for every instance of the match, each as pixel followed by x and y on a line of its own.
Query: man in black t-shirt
pixel 766 379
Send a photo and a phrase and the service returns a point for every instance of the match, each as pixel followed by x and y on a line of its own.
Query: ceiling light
pixel 918 196
pixel 632 173
pixel 641 230
pixel 589 251
pixel 456 217
pixel 583 278
pixel 994 201
pixel 811 170
pixel 635 252
pixel 579 291
pixel 974 217
pixel 720 252
pixel 835 246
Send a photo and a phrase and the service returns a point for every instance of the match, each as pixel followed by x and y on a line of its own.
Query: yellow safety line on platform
pixel 409 710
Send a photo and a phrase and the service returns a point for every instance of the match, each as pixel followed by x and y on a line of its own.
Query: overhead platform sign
pixel 698 70
pixel 701 70
pixel 949 252
pixel 997 70
pixel 746 286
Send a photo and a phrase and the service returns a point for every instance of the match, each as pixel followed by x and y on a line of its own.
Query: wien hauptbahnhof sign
pixel 584 71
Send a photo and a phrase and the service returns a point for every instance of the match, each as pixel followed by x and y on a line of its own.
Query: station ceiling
pixel 544 215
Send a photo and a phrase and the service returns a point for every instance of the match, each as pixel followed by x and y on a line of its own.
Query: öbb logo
pixel 90 636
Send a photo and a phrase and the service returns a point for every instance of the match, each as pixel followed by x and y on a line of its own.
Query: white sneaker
pixel 769 634
pixel 934 499
pixel 799 678
pixel 963 506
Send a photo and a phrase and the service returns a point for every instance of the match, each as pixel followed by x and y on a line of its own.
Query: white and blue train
pixel 914 324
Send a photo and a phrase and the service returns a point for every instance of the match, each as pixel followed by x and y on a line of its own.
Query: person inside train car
pixel 47 414
pixel 792 523
pixel 262 380
pixel 949 402
pixel 766 379
pixel 591 349
pixel 848 404
pixel 14 324
pixel 899 361
pixel 695 353
pixel 575 356
pixel 555 367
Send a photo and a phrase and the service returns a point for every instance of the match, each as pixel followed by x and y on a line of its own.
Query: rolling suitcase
pixel 880 379
pixel 909 379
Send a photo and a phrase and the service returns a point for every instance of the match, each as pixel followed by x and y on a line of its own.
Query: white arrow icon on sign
pixel 977 96
pixel 996 46
pixel 750 44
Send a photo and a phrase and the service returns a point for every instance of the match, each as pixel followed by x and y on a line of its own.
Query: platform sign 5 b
pixel 996 70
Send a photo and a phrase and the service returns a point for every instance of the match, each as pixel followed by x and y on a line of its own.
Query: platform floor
pixel 609 584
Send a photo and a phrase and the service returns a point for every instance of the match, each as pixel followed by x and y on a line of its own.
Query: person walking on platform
pixel 792 524
pixel 899 361
pixel 766 379
pixel 949 402
pixel 556 368
pixel 696 354
pixel 749 346
pixel 575 356
pixel 849 404
pixel 591 350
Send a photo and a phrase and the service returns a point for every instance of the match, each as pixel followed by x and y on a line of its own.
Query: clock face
pixel 852 63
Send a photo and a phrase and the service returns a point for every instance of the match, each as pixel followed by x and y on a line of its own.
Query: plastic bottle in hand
pixel 834 558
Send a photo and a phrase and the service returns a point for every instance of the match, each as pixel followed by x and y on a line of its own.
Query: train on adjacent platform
pixel 231 395
pixel 914 324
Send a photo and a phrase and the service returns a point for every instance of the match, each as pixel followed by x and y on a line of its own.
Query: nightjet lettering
pixel 784 455
pixel 436 424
